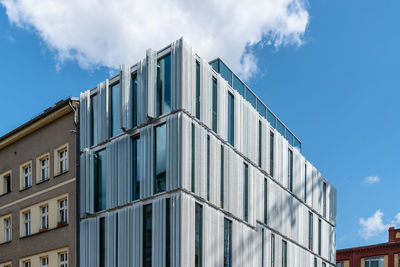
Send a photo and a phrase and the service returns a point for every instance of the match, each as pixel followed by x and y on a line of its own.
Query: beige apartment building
pixel 38 190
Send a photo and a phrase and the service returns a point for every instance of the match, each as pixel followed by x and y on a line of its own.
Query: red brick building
pixel 379 255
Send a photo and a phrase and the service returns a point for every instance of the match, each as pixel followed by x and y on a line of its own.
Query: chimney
pixel 394 235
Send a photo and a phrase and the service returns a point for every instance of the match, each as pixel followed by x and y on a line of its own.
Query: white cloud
pixel 106 33
pixel 372 226
pixel 397 218
pixel 372 180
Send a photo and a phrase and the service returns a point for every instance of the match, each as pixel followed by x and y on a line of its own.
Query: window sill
pixel 6 242
pixel 6 193
pixel 26 188
pixel 62 224
pixel 42 181
pixel 60 174
pixel 41 230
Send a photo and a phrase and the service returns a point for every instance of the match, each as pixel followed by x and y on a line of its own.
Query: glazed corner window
pixel 43 168
pixel 214 105
pixel 7 229
pixel 27 223
pixel 115 110
pixel 63 259
pixel 163 93
pixel 7 183
pixel 284 253
pixel 227 243
pixel 44 217
pixel 62 211
pixel 245 192
pixel 290 170
pixel 94 116
pixel 135 169
pixel 27 176
pixel 61 159
pixel 100 180
pixel 27 263
pixel 198 235
pixel 160 158
pixel 44 262
pixel 231 119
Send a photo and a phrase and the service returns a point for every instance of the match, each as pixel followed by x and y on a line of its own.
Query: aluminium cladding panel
pixel 124 229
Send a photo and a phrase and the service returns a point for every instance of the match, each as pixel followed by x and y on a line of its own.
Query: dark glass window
pixel 265 201
pixel 271 154
pixel 262 247
pixel 319 236
pixel 246 192
pixel 323 264
pixel 315 262
pixel 231 119
pixel 198 235
pixel 93 120
pixel 193 156
pixel 198 90
pixel 160 158
pixel 214 106
pixel 7 184
pixel 135 169
pixel 227 243
pixel 222 176
pixel 238 85
pixel 259 143
pixel 208 167
pixel 324 199
pixel 284 253
pixel 163 94
pixel 168 233
pixel 310 231
pixel 115 110
pixel 147 235
pixel 272 250
pixel 290 170
pixel 102 242
pixel 100 180
pixel 134 99
pixel 225 73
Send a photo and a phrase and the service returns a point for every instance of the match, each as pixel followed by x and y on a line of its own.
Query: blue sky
pixel 338 92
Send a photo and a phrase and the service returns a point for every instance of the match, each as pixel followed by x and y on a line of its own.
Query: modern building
pixel 182 165
pixel 379 255
pixel 37 190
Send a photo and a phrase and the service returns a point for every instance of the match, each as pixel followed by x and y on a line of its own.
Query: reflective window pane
pixel 163 93
pixel 100 180
pixel 160 158
pixel 225 73
pixel 231 119
pixel 135 169
pixel 93 120
pixel 147 235
pixel 238 85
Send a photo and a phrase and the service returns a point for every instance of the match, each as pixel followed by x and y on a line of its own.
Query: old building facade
pixel 37 190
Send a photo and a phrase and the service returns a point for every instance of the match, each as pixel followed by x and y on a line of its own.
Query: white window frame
pixel 380 259
pixel 27 223
pixel 63 259
pixel 63 211
pixel 7 229
pixel 5 177
pixel 44 217
pixel 27 263
pixel 44 169
pixel 44 261
pixel 63 160
pixel 27 176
